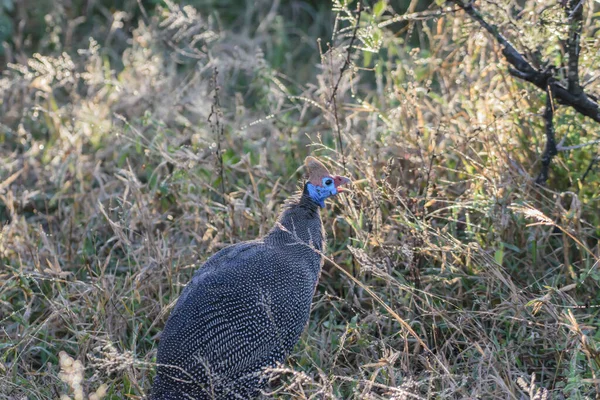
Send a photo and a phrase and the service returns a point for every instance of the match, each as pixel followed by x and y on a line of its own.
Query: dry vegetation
pixel 129 158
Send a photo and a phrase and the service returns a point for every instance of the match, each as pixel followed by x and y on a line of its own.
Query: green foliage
pixel 6 23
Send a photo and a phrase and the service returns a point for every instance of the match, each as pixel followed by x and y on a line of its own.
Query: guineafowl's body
pixel 243 311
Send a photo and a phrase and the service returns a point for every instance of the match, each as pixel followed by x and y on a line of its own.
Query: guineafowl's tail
pixel 165 389
pixel 239 389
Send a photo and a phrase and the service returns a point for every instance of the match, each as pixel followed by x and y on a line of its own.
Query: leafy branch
pixel 572 95
pixel 576 98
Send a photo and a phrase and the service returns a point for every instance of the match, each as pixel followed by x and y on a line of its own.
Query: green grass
pixel 455 275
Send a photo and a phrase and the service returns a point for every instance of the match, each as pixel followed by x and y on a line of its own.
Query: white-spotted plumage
pixel 243 311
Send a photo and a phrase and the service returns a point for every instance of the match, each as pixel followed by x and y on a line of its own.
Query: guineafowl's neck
pixel 300 221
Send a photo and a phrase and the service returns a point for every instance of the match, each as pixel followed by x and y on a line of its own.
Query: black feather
pixel 243 311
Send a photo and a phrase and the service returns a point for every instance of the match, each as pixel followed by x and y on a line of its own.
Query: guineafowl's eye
pixel 328 182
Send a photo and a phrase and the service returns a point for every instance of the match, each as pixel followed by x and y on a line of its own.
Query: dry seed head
pixel 530 212
pixel 102 390
pixel 72 374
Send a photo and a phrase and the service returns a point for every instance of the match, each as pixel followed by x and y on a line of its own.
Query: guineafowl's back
pixel 243 311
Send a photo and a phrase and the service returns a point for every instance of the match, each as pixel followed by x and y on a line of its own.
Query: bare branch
pixel 574 10
pixel 348 60
pixel 589 168
pixel 522 69
pixel 417 16
pixel 560 147
pixel 550 150
pixel 333 98
pixel 217 129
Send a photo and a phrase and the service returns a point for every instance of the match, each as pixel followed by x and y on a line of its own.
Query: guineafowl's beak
pixel 338 181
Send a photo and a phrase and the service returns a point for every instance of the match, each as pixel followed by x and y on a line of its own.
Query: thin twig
pixel 550 151
pixel 574 12
pixel 217 128
pixel 560 147
pixel 348 60
pixel 144 13
pixel 333 98
pixel 426 190
pixel 589 168
pixel 418 16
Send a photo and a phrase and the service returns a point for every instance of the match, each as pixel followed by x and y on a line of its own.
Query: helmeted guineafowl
pixel 245 309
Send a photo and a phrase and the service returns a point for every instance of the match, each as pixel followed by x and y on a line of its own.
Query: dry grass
pixel 453 275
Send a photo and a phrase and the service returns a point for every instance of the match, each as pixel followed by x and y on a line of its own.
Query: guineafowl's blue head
pixel 321 184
